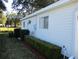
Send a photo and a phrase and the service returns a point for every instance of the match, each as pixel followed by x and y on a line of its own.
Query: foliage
pixel 2 5
pixel 1 13
pixel 13 20
pixel 50 51
pixel 30 6
pixel 3 18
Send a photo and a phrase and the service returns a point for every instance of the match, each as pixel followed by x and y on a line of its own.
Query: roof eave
pixel 58 3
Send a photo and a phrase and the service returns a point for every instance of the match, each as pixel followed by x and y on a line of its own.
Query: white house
pixel 57 24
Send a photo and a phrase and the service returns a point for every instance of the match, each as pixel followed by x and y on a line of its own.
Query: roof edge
pixel 58 3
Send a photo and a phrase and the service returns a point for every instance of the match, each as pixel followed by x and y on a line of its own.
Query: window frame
pixel 42 22
pixel 23 24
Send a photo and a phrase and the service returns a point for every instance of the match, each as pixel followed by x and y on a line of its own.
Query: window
pixel 44 22
pixel 23 24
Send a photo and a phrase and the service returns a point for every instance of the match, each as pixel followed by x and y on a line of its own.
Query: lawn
pixel 6 29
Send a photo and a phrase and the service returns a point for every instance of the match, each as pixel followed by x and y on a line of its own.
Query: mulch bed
pixel 40 56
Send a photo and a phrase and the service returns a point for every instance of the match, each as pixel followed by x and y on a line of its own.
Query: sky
pixel 8 6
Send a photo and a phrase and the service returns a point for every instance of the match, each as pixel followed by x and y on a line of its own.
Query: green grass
pixel 3 29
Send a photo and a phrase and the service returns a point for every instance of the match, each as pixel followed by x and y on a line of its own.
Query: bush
pixel 20 33
pixel 50 51
pixel 17 33
pixel 25 32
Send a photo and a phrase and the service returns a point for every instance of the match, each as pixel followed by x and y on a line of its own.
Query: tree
pixel 30 6
pixel 1 13
pixel 4 19
pixel 13 20
pixel 2 5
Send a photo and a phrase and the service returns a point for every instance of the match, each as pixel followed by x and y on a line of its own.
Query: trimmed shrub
pixel 17 33
pixel 25 32
pixel 50 51
pixel 20 33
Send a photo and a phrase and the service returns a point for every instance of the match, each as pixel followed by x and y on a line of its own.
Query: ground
pixel 13 49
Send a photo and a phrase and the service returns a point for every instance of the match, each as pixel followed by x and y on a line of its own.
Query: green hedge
pixel 50 51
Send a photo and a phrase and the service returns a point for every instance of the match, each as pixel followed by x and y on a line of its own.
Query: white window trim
pixel 41 22
pixel 23 24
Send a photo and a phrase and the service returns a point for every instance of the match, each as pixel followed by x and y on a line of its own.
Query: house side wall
pixel 32 26
pixel 61 27
pixel 22 26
